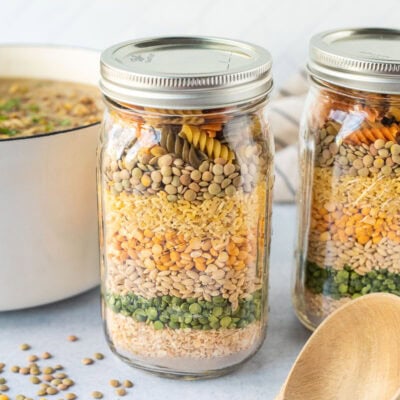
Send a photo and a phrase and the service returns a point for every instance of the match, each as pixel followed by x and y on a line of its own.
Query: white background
pixel 283 26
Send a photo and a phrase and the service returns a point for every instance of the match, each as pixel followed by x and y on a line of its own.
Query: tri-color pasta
pixel 157 116
pixel 372 132
pixel 172 142
pixel 212 147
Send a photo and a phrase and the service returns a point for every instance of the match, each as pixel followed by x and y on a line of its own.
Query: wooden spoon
pixel 353 355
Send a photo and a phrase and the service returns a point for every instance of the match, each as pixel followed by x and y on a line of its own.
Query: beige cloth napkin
pixel 284 116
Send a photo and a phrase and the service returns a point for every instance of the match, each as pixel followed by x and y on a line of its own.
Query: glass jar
pixel 349 207
pixel 185 180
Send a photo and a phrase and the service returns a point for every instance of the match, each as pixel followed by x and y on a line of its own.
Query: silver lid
pixel 185 72
pixel 364 59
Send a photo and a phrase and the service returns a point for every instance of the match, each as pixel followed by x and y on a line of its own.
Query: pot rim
pixel 49 46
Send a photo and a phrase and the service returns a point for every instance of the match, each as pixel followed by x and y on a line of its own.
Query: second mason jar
pixel 349 225
pixel 185 180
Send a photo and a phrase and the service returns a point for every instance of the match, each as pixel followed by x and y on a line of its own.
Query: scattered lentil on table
pixel 48 380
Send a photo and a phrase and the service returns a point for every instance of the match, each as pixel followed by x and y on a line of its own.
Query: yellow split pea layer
pixel 355 208
pixel 184 235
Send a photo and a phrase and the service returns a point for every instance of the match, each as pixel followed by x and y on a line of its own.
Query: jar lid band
pixel 185 72
pixel 362 59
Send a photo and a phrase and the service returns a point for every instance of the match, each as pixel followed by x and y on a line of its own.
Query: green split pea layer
pixel 348 283
pixel 176 313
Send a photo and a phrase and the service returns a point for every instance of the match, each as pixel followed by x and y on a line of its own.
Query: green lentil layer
pixel 347 283
pixel 177 313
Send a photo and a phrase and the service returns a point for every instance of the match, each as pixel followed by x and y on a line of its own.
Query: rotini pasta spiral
pixel 394 112
pixel 212 147
pixel 211 129
pixel 181 147
pixel 173 116
pixel 370 134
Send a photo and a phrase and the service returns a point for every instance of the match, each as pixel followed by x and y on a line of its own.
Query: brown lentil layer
pixel 357 160
pixel 157 170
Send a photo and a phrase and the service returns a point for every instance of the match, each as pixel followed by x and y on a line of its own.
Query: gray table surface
pixel 47 327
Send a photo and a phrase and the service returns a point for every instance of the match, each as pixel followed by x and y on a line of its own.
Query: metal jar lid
pixel 185 72
pixel 365 59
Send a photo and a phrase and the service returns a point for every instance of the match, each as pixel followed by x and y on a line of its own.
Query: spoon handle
pixel 395 397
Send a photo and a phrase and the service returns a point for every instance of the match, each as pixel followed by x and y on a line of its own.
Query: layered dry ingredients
pixel 354 233
pixel 36 106
pixel 186 208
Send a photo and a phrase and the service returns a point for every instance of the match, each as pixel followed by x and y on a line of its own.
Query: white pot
pixel 48 212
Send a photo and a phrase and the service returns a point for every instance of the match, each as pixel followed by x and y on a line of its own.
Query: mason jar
pixel 185 181
pixel 349 199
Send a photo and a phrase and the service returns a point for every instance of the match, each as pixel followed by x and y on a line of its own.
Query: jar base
pixel 166 372
pixel 182 354
pixel 312 309
pixel 304 320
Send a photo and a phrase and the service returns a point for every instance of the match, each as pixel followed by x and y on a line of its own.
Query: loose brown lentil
pixel 99 356
pixel 97 395
pixel 34 371
pixel 120 392
pixel 115 383
pixel 25 347
pixel 24 371
pixel 14 369
pixel 47 377
pixel 46 355
pixel 72 338
pixel 35 380
pixel 48 370
pixel 61 386
pixel 32 358
pixel 68 382
pixel 128 383
pixel 87 361
pixel 70 396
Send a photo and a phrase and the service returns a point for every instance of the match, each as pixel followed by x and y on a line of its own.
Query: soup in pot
pixel 31 107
